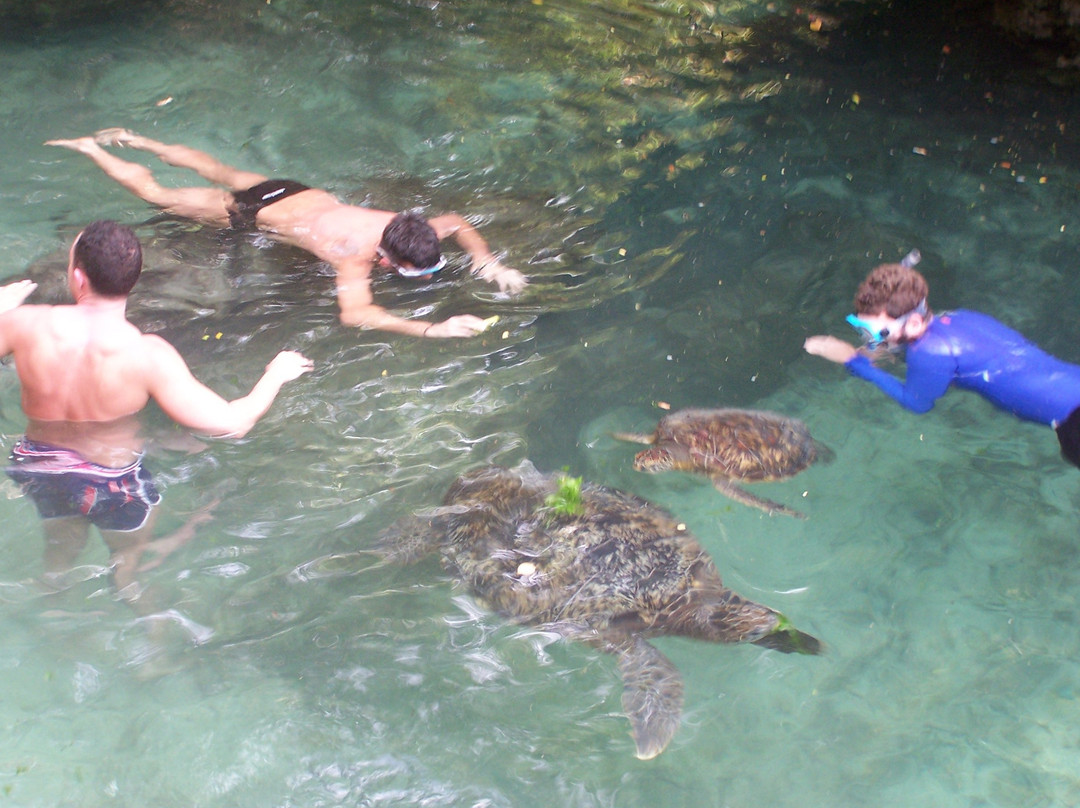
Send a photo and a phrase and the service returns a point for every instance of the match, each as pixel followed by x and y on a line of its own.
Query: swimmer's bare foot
pixel 116 136
pixel 85 145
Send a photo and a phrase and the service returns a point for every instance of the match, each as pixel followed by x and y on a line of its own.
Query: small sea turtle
pixel 728 445
pixel 596 565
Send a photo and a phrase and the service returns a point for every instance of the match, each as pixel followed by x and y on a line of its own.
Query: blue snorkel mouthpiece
pixel 870 335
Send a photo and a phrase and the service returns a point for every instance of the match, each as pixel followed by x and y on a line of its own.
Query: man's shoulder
pixel 32 318
pixel 31 311
pixel 156 346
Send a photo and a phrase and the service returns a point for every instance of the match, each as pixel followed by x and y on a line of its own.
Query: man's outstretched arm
pixel 11 297
pixel 485 264
pixel 14 293
pixel 357 308
pixel 192 404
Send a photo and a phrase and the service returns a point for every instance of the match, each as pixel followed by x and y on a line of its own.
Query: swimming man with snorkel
pixel 353 239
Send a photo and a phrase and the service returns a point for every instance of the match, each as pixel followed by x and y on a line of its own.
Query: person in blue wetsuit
pixel 965 348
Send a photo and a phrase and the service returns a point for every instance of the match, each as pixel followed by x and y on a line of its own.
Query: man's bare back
pixel 77 363
pixel 346 236
pixel 85 363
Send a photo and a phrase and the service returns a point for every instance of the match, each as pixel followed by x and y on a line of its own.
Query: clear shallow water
pixel 689 207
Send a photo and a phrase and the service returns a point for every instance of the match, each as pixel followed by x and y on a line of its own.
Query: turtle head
pixel 654 460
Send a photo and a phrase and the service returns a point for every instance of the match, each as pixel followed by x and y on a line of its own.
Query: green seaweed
pixel 566 499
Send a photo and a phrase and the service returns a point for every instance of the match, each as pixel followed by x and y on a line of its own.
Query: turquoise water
pixel 692 189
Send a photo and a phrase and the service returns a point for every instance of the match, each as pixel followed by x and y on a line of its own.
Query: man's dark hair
pixel 111 257
pixel 409 239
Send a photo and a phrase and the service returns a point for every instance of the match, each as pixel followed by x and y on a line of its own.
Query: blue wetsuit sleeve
pixel 928 377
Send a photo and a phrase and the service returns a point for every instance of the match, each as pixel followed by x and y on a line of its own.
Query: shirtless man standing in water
pixel 85 371
pixel 352 239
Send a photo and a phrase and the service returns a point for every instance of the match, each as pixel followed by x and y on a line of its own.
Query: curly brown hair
pixel 893 287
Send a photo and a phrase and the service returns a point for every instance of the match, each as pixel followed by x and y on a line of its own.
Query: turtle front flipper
pixel 652 695
pixel 634 437
pixel 729 489
pixel 409 539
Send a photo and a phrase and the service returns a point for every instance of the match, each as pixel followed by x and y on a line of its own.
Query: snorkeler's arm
pixel 484 263
pixel 929 373
pixel 357 308
pixel 831 348
pixel 192 404
pixel 928 377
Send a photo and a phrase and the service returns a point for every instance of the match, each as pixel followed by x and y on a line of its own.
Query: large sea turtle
pixel 596 565
pixel 728 445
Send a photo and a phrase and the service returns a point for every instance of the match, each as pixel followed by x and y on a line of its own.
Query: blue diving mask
pixel 872 336
pixel 411 272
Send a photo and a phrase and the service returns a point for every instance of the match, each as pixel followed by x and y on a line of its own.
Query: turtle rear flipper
pixel 823 455
pixel 729 489
pixel 652 695
pixel 787 639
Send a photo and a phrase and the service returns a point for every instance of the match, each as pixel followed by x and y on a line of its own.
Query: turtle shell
pixel 610 571
pixel 752 445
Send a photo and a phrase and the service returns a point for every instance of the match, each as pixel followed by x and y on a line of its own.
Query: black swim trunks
pixel 63 483
pixel 1068 432
pixel 247 204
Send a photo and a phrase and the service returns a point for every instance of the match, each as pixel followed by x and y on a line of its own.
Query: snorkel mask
pixel 873 337
pixel 411 272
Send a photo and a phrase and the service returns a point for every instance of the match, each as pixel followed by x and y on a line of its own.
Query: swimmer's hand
pixel 507 278
pixel 463 325
pixel 13 294
pixel 831 348
pixel 288 365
